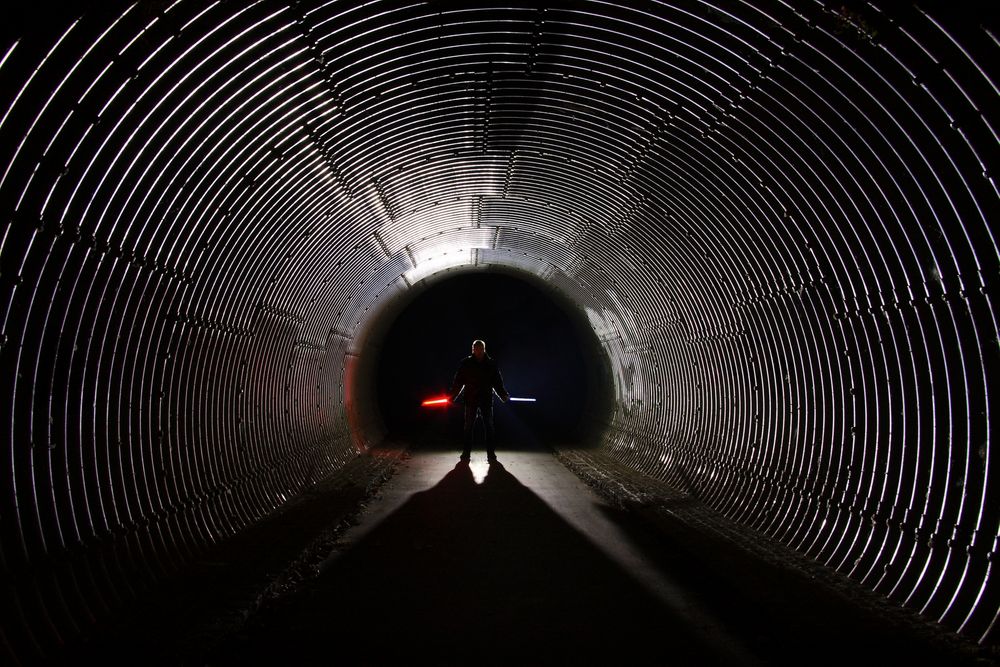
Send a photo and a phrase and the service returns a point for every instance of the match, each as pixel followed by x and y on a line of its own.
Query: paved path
pixel 519 562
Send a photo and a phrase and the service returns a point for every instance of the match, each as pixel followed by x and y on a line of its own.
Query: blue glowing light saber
pixel 522 400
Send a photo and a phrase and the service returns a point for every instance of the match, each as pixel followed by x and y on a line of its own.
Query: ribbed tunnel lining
pixel 776 218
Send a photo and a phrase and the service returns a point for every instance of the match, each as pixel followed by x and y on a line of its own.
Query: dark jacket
pixel 480 378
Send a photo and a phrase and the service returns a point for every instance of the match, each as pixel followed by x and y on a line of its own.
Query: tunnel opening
pixel 542 341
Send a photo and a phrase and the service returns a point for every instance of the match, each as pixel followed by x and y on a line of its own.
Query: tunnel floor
pixel 520 562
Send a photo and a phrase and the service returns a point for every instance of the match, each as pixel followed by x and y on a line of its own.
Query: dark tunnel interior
pixel 544 350
pixel 742 249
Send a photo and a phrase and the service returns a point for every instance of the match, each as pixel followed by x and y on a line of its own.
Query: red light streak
pixel 436 401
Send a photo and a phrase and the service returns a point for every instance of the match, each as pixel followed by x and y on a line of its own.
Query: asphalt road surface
pixel 519 562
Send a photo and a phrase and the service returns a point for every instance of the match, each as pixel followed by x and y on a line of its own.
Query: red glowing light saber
pixel 436 401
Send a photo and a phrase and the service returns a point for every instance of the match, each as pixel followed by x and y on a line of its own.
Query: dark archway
pixel 545 348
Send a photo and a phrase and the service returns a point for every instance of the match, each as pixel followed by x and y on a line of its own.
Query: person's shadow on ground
pixel 467 573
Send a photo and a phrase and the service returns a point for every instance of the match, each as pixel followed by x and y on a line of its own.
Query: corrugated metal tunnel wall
pixel 779 218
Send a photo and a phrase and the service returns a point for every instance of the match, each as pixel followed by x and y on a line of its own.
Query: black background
pixel 533 338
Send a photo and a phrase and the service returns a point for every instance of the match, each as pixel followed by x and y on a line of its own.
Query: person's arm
pixel 498 386
pixel 458 384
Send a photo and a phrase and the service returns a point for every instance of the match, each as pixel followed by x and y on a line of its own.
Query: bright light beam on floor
pixel 479 469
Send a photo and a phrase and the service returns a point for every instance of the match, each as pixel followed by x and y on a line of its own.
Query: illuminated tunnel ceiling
pixel 778 219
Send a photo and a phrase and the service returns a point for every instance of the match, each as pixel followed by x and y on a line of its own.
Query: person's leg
pixel 488 427
pixel 468 430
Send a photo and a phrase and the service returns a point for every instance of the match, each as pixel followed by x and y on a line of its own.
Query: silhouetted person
pixel 478 376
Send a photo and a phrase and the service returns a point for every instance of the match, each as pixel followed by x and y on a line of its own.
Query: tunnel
pixel 774 223
pixel 545 347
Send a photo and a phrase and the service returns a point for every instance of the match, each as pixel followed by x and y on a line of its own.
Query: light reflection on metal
pixel 779 220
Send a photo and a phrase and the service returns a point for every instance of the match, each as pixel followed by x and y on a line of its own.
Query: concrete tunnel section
pixel 778 220
pixel 404 321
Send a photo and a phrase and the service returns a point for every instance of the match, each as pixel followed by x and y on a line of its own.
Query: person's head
pixel 478 349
